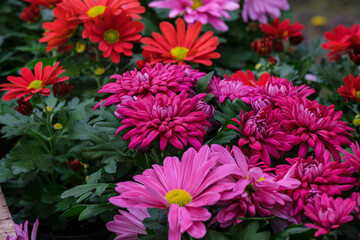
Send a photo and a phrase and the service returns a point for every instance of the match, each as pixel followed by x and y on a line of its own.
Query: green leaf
pixel 203 83
pixel 304 67
pixel 213 235
pixel 82 189
pixel 223 137
pixel 74 211
pixel 95 209
pixel 250 232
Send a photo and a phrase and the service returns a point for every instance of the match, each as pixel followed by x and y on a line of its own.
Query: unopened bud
pixel 75 165
pixel 24 107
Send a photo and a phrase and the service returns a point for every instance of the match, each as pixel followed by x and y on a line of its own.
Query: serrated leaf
pixel 203 83
pixel 74 211
pixel 95 209
pixel 82 189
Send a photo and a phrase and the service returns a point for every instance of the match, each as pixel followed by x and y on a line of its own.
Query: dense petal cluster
pixel 128 225
pixel 204 11
pixel 22 233
pixel 263 134
pixel 260 9
pixel 250 191
pixel 351 90
pixel 30 84
pixel 343 41
pixel 356 197
pixel 180 45
pixel 171 118
pixel 184 188
pixel 282 30
pixel 352 159
pixel 317 176
pixel 328 213
pixel 317 126
pixel 165 79
pixel 115 34
pixel 30 13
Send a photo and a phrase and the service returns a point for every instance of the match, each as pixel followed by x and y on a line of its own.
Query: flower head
pixel 282 30
pixel 30 13
pixel 171 118
pixel 128 225
pixel 44 3
pixel 30 84
pixel 22 234
pixel 262 47
pixel 180 45
pixel 151 80
pixel 24 107
pixel 115 34
pixel 328 213
pixel 351 90
pixel 356 197
pixel 204 11
pixel 263 134
pixel 317 126
pixel 74 165
pixel 250 191
pixel 59 31
pixel 259 9
pixel 352 159
pixel 184 188
pixel 343 41
pixel 61 89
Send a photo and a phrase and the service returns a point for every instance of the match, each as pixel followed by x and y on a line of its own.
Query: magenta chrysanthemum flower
pixel 230 88
pixel 22 234
pixel 260 9
pixel 250 191
pixel 352 159
pixel 165 79
pixel 128 225
pixel 204 11
pixel 356 197
pixel 184 188
pixel 173 119
pixel 263 134
pixel 317 126
pixel 317 176
pixel 329 214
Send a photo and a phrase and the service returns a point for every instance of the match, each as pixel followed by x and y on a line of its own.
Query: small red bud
pixel 272 60
pixel 355 56
pixel 295 40
pixel 75 165
pixel 62 89
pixel 30 13
pixel 278 46
pixel 24 107
pixel 262 47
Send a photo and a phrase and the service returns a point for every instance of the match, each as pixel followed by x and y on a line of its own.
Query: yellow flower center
pixel 261 179
pixel 80 47
pixel 37 84
pixel 111 36
pixel 179 53
pixel 96 11
pixel 319 21
pixel 49 109
pixel 58 126
pixel 178 196
pixel 196 4
pixel 99 71
pixel 356 121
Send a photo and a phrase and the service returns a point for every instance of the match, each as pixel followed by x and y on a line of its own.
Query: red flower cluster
pixel 351 90
pixel 343 41
pixel 108 22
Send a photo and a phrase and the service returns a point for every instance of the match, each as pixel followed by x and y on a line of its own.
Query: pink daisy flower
pixel 128 225
pixel 171 118
pixel 352 159
pixel 263 134
pixel 204 11
pixel 318 126
pixel 260 9
pixel 317 176
pixel 22 233
pixel 151 80
pixel 250 191
pixel 329 214
pixel 183 188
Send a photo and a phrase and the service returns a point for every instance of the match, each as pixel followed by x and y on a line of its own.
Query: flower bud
pixel 75 165
pixel 278 46
pixel 58 126
pixel 262 47
pixel 295 40
pixel 30 13
pixel 24 107
pixel 272 60
pixel 355 56
pixel 62 89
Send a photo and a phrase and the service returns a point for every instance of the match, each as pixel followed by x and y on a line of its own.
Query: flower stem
pixel 48 125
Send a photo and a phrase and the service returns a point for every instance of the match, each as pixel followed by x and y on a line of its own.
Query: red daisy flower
pixel 45 3
pixel 30 13
pixel 249 78
pixel 282 30
pixel 61 29
pixel 180 46
pixel 351 90
pixel 343 41
pixel 89 9
pixel 30 84
pixel 115 33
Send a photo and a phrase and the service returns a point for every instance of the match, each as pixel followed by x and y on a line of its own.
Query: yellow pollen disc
pixel 48 109
pixel 196 4
pixel 99 71
pixel 258 66
pixel 111 36
pixel 178 196
pixel 58 126
pixel 179 53
pixel 356 122
pixel 319 21
pixel 37 84
pixel 80 47
pixel 261 179
pixel 96 11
